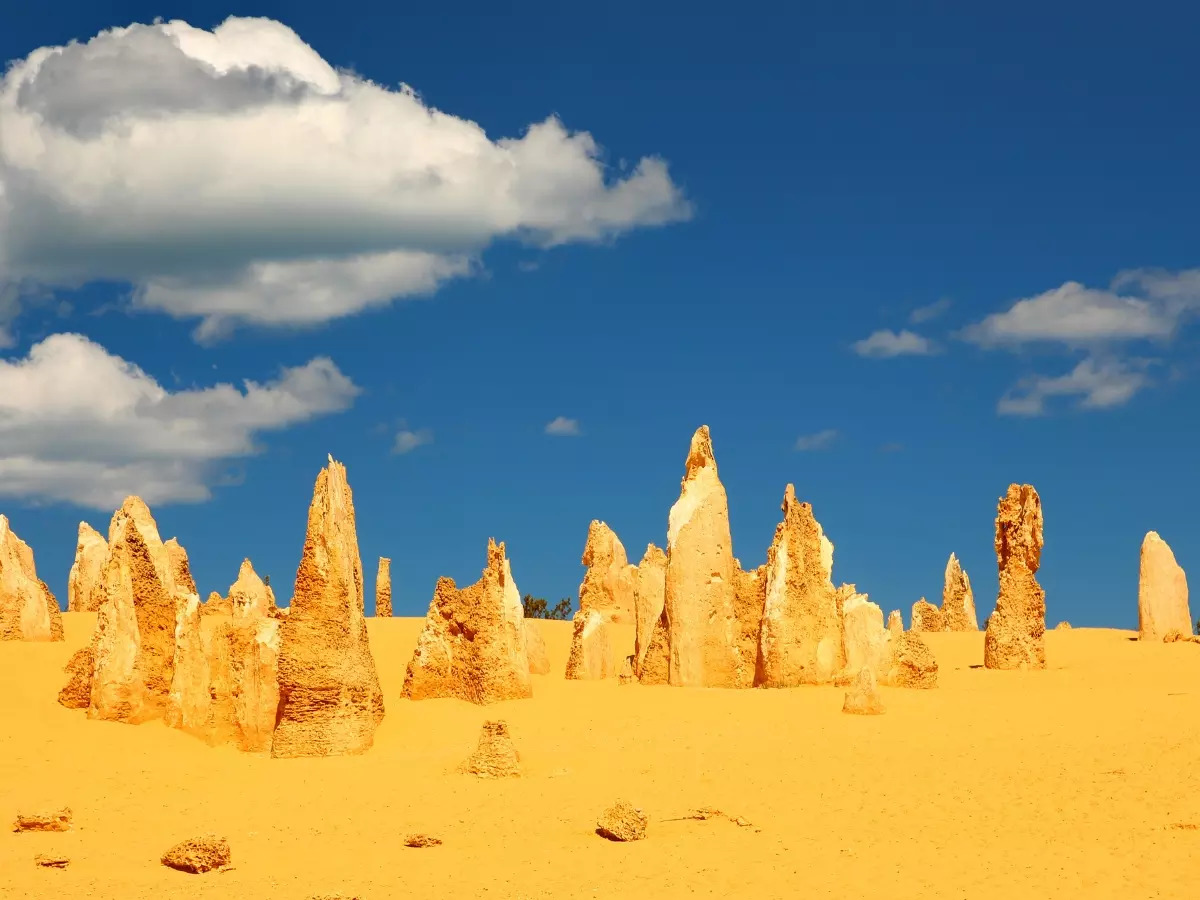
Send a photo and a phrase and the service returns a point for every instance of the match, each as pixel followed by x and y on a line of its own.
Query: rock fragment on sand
pixel 495 755
pixel 622 822
pixel 913 664
pixel 863 697
pixel 801 639
pixel 57 820
pixel 473 645
pixel 926 616
pixel 590 658
pixel 329 697
pixel 608 584
pixel 198 855
pixel 1162 592
pixel 420 841
pixel 383 588
pixel 535 649
pixel 51 861
pixel 958 600
pixel 1016 630
pixel 28 610
pixel 699 587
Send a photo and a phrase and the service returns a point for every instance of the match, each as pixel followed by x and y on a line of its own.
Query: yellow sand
pixel 1079 781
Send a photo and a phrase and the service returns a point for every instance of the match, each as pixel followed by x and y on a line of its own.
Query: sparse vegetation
pixel 536 608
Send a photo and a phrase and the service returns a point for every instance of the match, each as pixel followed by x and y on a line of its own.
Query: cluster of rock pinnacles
pixel 301 680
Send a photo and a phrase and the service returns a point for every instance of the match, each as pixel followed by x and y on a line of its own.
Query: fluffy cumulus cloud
pixel 234 176
pixel 80 425
pixel 1095 384
pixel 883 344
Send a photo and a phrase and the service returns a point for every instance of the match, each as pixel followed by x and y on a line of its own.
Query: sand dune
pixel 1081 780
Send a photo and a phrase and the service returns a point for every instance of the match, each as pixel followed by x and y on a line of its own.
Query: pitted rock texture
pixel 591 653
pixel 495 755
pixel 28 610
pixel 77 692
pixel 383 588
pixel 912 663
pixel 926 617
pixel 656 660
pixel 649 596
pixel 1162 592
pixel 608 584
pixel 473 644
pixel 329 698
pixel 700 586
pixel 622 822
pixel 58 820
pixel 958 600
pixel 250 596
pixel 91 551
pixel 749 602
pixel 1016 630
pixel 801 640
pixel 198 855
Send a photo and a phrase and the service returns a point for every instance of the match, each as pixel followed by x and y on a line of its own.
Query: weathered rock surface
pixel 699 592
pixel 495 755
pixel 473 644
pixel 190 700
pixel 198 855
pixel 749 601
pixel 895 622
pixel 535 649
pixel 134 644
pixel 383 588
pixel 649 597
pixel 254 680
pixel 216 605
pixel 28 610
pixel 622 822
pixel 51 861
pixel 801 640
pixel 58 820
pixel 656 660
pixel 608 584
pixel 958 601
pixel 863 697
pixel 1016 631
pixel 868 644
pixel 250 596
pixel 591 647
pixel 421 841
pixel 77 692
pixel 329 697
pixel 926 616
pixel 1162 592
pixel 91 551
pixel 912 664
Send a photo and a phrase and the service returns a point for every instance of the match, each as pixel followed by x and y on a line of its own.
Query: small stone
pixel 46 861
pixel 421 840
pixel 622 822
pixel 198 855
pixel 59 820
pixel 494 756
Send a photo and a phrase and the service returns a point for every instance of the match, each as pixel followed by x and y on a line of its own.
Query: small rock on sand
pixel 198 855
pixel 48 861
pixel 53 821
pixel 621 822
pixel 421 840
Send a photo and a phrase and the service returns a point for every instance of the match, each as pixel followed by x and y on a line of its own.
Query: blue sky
pixel 900 259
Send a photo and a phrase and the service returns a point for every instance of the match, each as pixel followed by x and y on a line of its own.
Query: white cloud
pixel 408 440
pixel 1077 315
pixel 884 343
pixel 235 176
pixel 930 311
pixel 1098 384
pixel 819 441
pixel 563 427
pixel 80 425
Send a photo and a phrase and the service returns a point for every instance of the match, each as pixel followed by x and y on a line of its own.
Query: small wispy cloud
pixel 408 440
pixel 930 311
pixel 819 441
pixel 563 427
pixel 1097 384
pixel 884 343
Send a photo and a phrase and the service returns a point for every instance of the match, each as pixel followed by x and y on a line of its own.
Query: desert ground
pixel 1080 780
